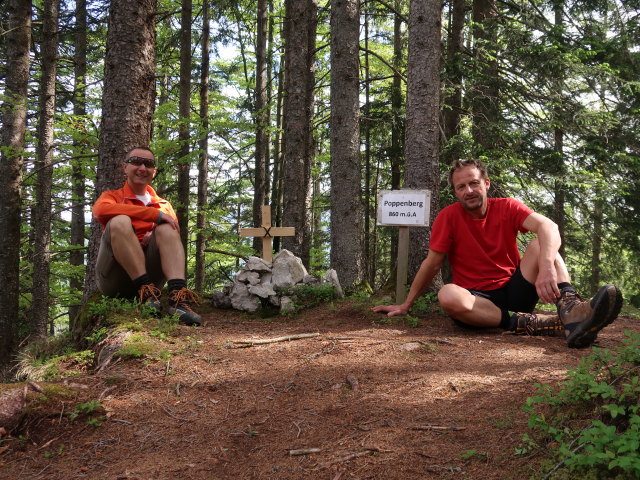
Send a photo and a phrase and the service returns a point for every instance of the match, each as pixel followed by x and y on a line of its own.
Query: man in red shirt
pixel 490 280
pixel 140 248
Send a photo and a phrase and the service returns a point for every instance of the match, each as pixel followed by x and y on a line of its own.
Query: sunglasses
pixel 138 161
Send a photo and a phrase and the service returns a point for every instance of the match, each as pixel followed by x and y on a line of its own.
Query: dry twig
pixel 304 451
pixel 436 427
pixel 250 343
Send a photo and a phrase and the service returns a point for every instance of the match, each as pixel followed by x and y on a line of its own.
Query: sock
pixel 176 284
pixel 508 321
pixel 142 280
pixel 565 285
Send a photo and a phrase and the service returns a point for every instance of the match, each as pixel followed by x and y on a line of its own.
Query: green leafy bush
pixel 592 419
pixel 307 296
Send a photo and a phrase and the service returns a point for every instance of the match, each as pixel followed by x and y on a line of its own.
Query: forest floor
pixel 366 398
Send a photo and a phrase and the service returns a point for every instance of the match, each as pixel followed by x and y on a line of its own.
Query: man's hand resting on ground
pixel 391 310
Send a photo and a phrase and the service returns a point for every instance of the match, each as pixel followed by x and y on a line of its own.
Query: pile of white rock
pixel 262 282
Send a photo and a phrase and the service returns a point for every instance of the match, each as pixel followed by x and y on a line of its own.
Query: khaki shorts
pixel 113 280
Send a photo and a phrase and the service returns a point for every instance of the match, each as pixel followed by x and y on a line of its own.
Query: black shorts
pixel 518 295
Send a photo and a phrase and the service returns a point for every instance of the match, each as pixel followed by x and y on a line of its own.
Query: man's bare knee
pixel 451 301
pixel 120 223
pixel 165 232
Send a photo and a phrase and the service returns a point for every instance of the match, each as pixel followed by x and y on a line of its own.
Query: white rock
pixel 257 264
pixel 262 291
pixel 286 305
pixel 247 276
pixel 241 299
pixel 287 269
pixel 332 277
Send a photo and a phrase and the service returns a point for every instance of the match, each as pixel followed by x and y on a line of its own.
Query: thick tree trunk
pixel 184 163
pixel 203 165
pixel 559 215
pixel 13 124
pixel 453 101
pixel 261 118
pixel 127 99
pixel 396 152
pixel 76 258
pixel 39 311
pixel 278 160
pixel 484 101
pixel 300 35
pixel 423 105
pixel 346 203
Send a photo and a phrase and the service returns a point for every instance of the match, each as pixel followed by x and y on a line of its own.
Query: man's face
pixel 471 189
pixel 138 174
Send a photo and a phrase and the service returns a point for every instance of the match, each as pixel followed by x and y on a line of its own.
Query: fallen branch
pixel 249 343
pixel 436 427
pixel 304 451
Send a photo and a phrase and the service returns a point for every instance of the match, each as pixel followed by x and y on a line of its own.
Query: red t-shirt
pixel 483 252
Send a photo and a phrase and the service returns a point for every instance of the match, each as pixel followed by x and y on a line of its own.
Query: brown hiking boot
pixel 584 319
pixel 149 297
pixel 538 325
pixel 180 303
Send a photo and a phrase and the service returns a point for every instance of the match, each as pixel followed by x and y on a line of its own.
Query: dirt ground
pixel 363 399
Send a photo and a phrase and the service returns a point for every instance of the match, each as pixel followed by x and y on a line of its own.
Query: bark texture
pixel 346 203
pixel 13 121
pixel 127 100
pixel 423 105
pixel 300 35
pixel 39 313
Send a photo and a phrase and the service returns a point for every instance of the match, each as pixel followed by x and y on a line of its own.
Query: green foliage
pixel 91 410
pixel 52 358
pixel 58 453
pixel 593 417
pixel 473 455
pixel 307 296
pixel 426 304
pixel 138 345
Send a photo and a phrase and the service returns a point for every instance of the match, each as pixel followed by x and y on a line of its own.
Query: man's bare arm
pixel 549 241
pixel 428 269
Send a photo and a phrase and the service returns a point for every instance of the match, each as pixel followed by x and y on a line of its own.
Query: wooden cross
pixel 267 232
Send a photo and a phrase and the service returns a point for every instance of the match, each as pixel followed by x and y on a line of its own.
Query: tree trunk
pixel 13 124
pixel 484 102
pixel 398 127
pixel 76 258
pixel 453 102
pixel 558 141
pixel 596 242
pixel 127 100
pixel 261 118
pixel 44 155
pixel 300 35
pixel 203 165
pixel 367 193
pixel 184 107
pixel 278 160
pixel 346 203
pixel 423 133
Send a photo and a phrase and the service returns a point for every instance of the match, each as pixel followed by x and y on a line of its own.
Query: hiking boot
pixel 584 319
pixel 149 298
pixel 538 325
pixel 180 302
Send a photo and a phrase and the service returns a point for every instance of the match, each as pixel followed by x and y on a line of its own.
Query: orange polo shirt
pixel 124 202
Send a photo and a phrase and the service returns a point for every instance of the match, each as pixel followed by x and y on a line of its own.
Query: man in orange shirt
pixel 140 248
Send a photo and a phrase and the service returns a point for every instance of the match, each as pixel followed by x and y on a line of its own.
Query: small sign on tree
pixel 404 209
